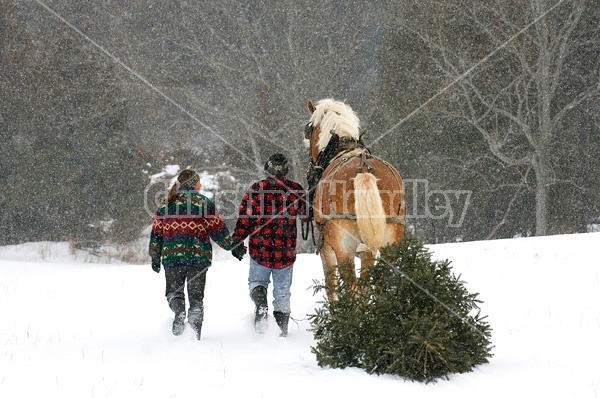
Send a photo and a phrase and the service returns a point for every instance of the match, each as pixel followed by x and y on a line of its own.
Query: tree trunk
pixel 298 169
pixel 258 161
pixel 543 177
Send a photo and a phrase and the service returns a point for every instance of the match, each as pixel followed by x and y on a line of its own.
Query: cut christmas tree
pixel 410 317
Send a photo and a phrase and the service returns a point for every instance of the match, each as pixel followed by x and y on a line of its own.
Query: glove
pixel 156 264
pixel 239 251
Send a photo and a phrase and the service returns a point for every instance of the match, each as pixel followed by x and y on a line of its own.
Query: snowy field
pixel 71 328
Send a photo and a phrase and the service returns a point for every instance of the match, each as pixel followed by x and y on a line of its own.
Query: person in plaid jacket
pixel 267 217
pixel 181 239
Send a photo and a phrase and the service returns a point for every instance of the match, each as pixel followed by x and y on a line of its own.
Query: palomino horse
pixel 357 198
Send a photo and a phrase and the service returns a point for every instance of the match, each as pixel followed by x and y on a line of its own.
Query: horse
pixel 357 199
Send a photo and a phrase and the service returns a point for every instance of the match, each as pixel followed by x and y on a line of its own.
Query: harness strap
pixel 364 155
pixel 343 148
pixel 336 147
pixel 363 164
pixel 399 219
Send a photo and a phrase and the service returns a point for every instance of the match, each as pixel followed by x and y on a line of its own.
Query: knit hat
pixel 277 165
pixel 188 178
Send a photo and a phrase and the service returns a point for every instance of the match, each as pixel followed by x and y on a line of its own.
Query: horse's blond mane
pixel 334 116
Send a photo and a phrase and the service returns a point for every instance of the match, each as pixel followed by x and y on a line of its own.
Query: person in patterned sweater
pixel 267 216
pixel 180 237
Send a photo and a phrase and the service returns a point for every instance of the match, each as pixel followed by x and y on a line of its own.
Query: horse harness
pixel 339 161
pixel 340 149
pixel 336 147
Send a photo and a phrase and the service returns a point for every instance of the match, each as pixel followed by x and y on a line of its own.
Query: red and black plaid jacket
pixel 267 215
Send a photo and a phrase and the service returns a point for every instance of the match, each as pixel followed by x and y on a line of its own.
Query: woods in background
pixel 514 117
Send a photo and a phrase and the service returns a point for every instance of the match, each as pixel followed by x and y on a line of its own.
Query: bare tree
pixel 513 72
pixel 250 68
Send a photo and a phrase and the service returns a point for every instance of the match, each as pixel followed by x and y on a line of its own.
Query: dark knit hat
pixel 277 165
pixel 188 178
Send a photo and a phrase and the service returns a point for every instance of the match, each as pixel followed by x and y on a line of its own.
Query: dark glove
pixel 156 264
pixel 239 251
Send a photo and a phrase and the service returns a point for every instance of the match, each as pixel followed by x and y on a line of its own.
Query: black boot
pixel 282 319
pixel 178 323
pixel 261 311
pixel 177 304
pixel 195 318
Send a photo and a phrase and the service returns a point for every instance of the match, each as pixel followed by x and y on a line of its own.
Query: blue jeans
pixel 282 281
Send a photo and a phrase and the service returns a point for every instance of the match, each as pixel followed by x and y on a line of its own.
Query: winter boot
pixel 261 311
pixel 177 304
pixel 195 318
pixel 282 319
pixel 178 323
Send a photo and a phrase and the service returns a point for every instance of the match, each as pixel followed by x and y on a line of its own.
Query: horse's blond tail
pixel 370 217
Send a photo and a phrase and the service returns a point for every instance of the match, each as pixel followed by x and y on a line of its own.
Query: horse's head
pixel 329 117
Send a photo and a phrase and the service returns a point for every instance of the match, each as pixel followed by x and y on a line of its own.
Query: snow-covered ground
pixel 71 328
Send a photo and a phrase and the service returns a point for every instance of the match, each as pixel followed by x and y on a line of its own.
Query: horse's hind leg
pixel 347 271
pixel 329 270
pixel 367 259
pixel 393 233
pixel 343 235
pixel 345 257
pixel 337 264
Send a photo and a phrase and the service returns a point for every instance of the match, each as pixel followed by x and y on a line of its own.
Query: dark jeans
pixel 196 282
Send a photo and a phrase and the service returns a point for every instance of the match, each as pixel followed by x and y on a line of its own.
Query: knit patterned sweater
pixel 182 230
